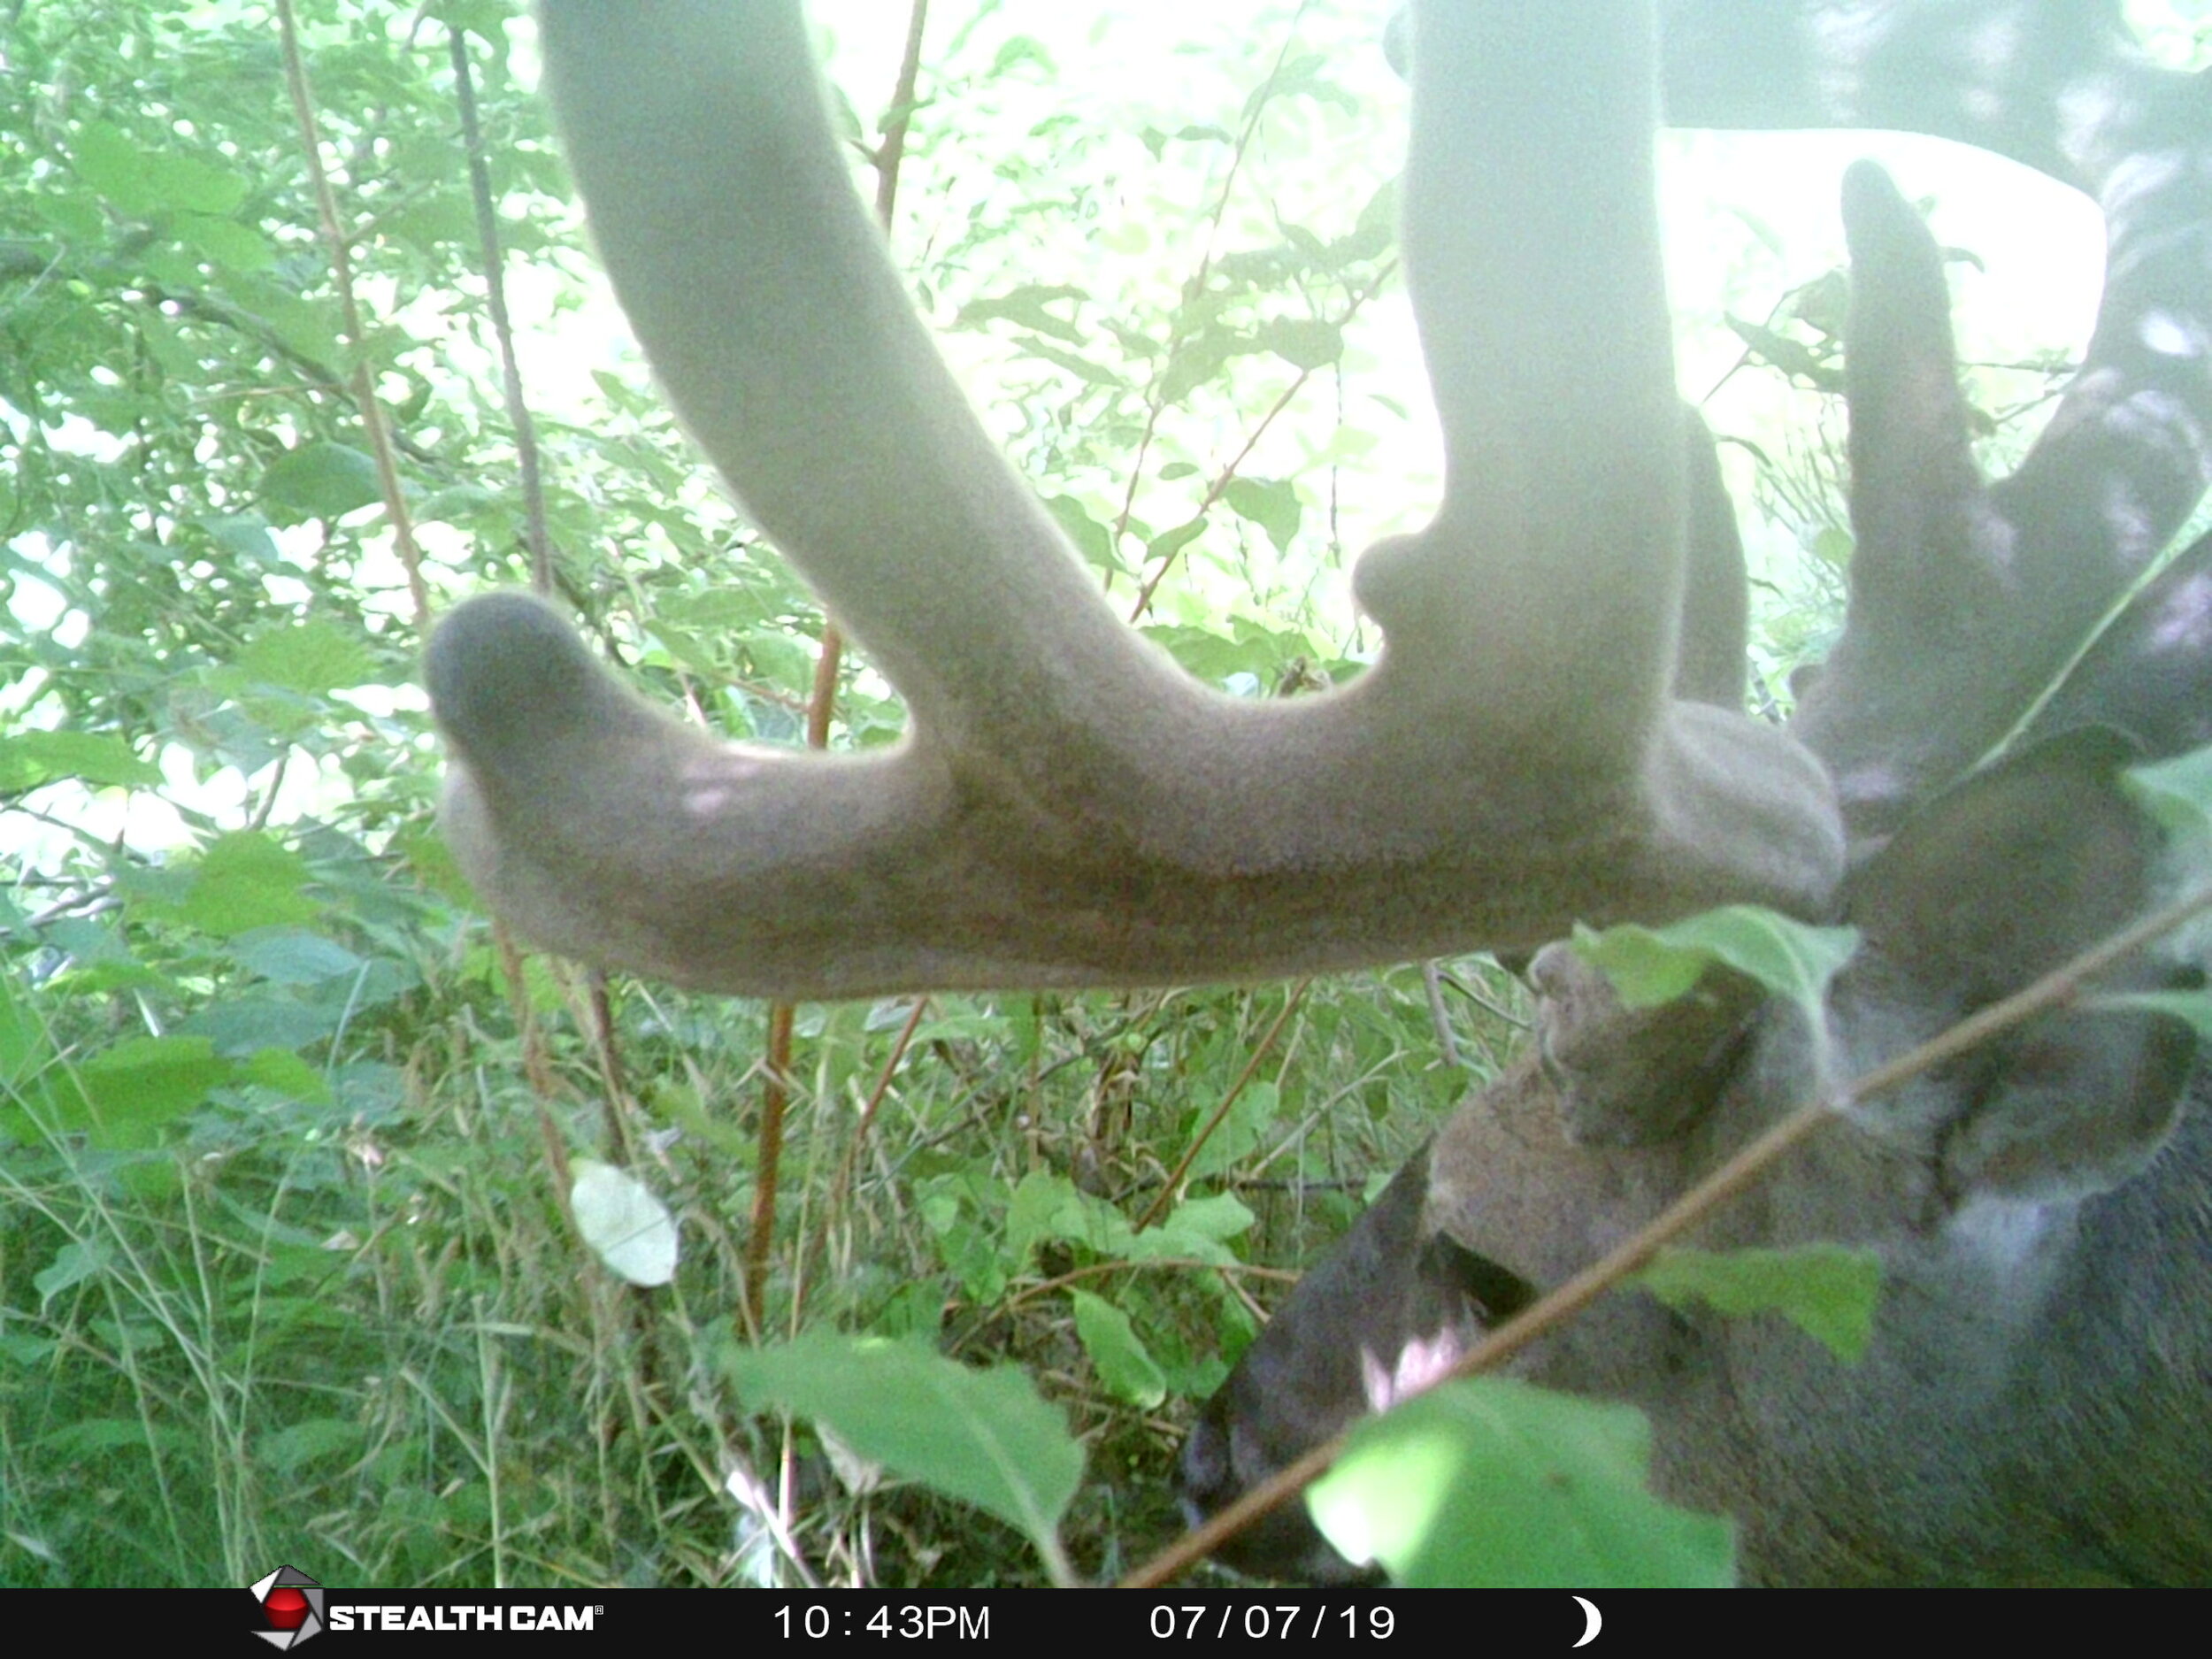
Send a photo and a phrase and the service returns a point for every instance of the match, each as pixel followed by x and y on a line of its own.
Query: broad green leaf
pixel 23 1043
pixel 1825 1290
pixel 1271 503
pixel 2177 793
pixel 143 1083
pixel 1304 342
pixel 286 1073
pixel 312 657
pixel 1081 367
pixel 30 759
pixel 1090 537
pixel 116 168
pixel 288 955
pixel 1491 1482
pixel 252 1022
pixel 626 1227
pixel 781 660
pixel 243 881
pixel 983 1437
pixel 1648 966
pixel 1168 543
pixel 74 1264
pixel 1209 656
pixel 1026 305
pixel 1219 1216
pixel 225 241
pixel 140 181
pixel 1052 1207
pixel 297 1445
pixel 321 480
pixel 1124 1364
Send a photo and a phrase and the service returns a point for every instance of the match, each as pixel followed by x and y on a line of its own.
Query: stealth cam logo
pixel 292 1603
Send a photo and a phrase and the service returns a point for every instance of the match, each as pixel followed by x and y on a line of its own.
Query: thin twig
pixel 535 533
pixel 1169 1188
pixel 357 334
pixel 1437 1017
pixel 1157 405
pixel 775 1094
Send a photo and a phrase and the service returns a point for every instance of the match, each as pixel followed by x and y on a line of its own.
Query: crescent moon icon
pixel 1593 1620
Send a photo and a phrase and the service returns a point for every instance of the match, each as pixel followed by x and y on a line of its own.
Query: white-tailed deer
pixel 1069 808
pixel 2031 1407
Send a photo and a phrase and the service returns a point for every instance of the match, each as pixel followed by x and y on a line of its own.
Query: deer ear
pixel 2004 877
pixel 2076 1105
pixel 1992 885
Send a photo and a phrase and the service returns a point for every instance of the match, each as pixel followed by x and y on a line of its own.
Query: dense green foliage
pixel 285 1270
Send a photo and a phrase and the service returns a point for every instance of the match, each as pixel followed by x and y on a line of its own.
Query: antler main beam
pixel 1069 808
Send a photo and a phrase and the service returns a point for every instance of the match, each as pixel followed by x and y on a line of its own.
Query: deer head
pixel 1539 741
pixel 2030 1408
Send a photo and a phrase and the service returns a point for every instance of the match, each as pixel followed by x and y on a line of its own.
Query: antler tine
pixel 1932 558
pixel 759 287
pixel 1069 808
pixel 1961 620
pixel 1553 371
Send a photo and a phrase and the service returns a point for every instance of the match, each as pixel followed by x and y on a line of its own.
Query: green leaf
pixel 243 881
pixel 1090 537
pixel 1026 305
pixel 143 1083
pixel 1648 966
pixel 289 955
pixel 296 1445
pixel 284 1072
pixel 225 241
pixel 24 1047
pixel 30 759
pixel 1220 1216
pixel 1825 1290
pixel 1168 543
pixel 140 181
pixel 1052 1207
pixel 1304 342
pixel 2177 793
pixel 310 658
pixel 321 480
pixel 1491 1482
pixel 1081 367
pixel 983 1437
pixel 74 1264
pixel 113 165
pixel 1271 503
pixel 1125 1365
